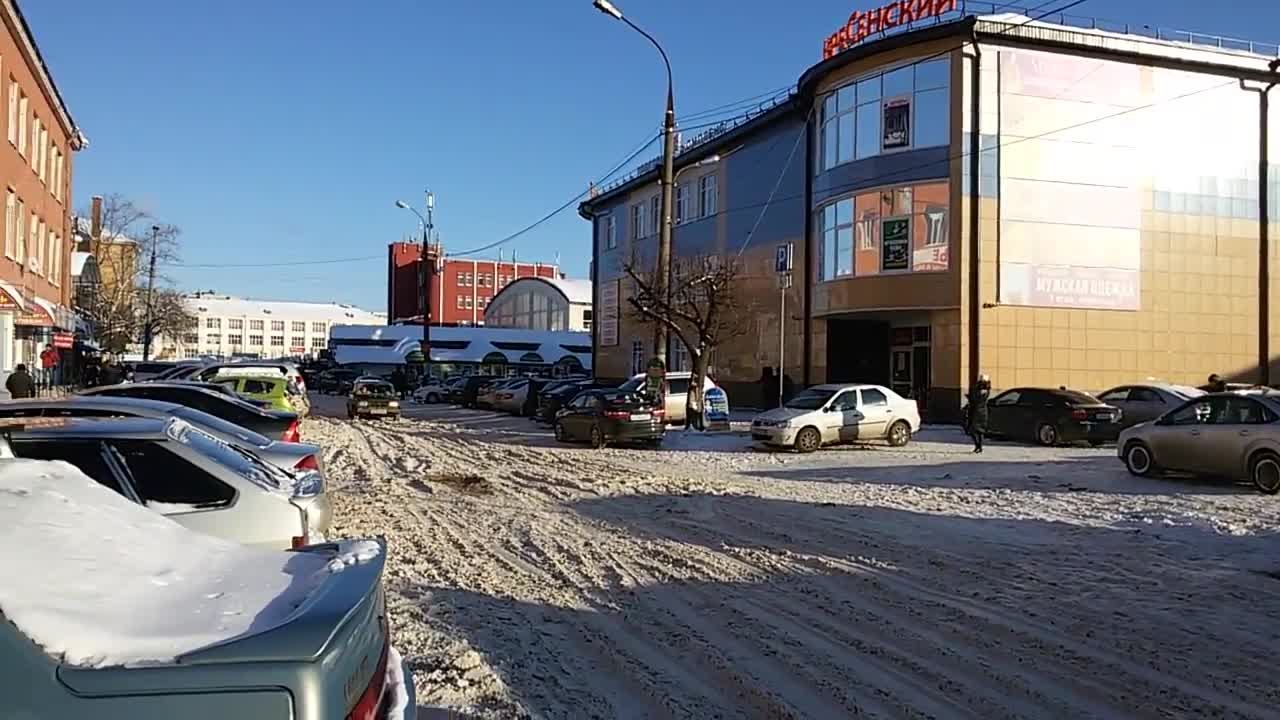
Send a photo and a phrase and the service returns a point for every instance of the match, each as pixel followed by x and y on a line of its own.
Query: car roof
pixel 836 387
pixel 130 428
pixel 100 401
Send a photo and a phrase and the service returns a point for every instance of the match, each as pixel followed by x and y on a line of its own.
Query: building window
pixel 467 302
pixel 42 163
pixel 707 196
pixel 642 224
pixel 679 356
pixel 298 342
pixel 277 341
pixel 586 319
pixel 213 339
pixel 464 279
pixel 33 238
pixel 459 302
pixel 37 244
pixel 255 341
pixel 191 339
pixel 897 229
pixel 655 216
pixel 20 234
pixel 300 327
pixel 637 357
pixel 13 111
pixel 35 144
pixel 213 323
pixel 610 232
pixel 56 168
pixel 235 324
pixel 317 343
pixel 256 325
pixel 22 123
pixel 10 221
pixel 234 339
pixel 277 326
pixel 318 327
pixel 903 108
pixel 682 204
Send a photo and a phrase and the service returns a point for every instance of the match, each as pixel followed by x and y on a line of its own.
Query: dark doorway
pixel 858 351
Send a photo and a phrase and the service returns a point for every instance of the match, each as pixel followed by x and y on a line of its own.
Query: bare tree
pixel 706 309
pixel 122 248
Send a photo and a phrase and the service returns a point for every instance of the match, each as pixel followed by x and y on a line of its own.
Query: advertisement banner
pixel 1067 286
pixel 895 244
pixel 897 122
pixel 716 413
pixel 609 313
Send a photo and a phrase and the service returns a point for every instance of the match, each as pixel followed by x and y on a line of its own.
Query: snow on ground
pixel 98 580
pixel 709 579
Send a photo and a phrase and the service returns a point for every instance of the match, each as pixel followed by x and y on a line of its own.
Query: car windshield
pixel 811 399
pixel 1076 397
pixel 374 388
pixel 238 461
pixel 219 425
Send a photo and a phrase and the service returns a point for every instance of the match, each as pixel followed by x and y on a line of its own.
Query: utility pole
pixel 664 233
pixel 428 269
pixel 782 266
pixel 151 285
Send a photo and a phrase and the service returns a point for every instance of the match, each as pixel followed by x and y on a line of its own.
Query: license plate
pixel 1105 417
pixel 378 412
pixel 639 416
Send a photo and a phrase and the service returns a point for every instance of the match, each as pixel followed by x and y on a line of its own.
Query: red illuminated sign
pixel 863 24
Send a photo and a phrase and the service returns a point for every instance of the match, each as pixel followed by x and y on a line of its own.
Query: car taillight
pixel 291 434
pixel 308 463
pixel 371 699
pixel 617 414
pixel 660 412
pixel 1079 414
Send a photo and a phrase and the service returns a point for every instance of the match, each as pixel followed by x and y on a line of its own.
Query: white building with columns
pixel 228 327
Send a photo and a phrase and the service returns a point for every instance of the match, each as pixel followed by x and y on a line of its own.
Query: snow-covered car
pixel 184 473
pixel 124 614
pixel 829 414
pixel 676 392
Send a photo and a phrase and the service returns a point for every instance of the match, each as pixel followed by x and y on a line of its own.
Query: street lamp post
pixel 668 179
pixel 428 271
pixel 151 286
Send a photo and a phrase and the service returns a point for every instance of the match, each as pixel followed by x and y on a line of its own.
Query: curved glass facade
pixel 531 305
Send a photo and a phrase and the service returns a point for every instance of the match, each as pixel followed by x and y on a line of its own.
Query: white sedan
pixel 829 414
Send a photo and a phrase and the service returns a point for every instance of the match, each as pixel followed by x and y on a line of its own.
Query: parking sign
pixel 782 258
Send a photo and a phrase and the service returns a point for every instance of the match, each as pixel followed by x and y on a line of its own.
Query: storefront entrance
pixel 909 364
pixel 858 351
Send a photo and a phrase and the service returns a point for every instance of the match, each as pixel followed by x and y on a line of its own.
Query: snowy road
pixel 708 580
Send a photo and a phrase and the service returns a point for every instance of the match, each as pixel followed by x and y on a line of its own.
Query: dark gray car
pixel 1144 402
pixel 300 459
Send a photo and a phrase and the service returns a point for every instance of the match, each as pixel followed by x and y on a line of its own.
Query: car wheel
pixel 433 398
pixel 1139 461
pixel 561 436
pixel 808 440
pixel 899 434
pixel 597 437
pixel 1264 470
pixel 1047 435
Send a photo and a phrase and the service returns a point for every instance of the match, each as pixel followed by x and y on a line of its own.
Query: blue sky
pixel 283 131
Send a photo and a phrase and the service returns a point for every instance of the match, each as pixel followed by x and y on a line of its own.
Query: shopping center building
pixel 1110 228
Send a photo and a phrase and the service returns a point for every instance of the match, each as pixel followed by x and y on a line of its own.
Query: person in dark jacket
pixel 20 384
pixel 400 382
pixel 111 373
pixel 976 419
pixel 1216 384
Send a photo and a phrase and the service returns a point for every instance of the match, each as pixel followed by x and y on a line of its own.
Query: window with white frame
pixel 235 324
pixel 277 341
pixel 34 158
pixel 55 259
pixel 42 165
pixel 255 341
pixel 655 215
pixel 23 111
pixel 318 327
pixel 679 356
pixel 459 302
pixel 20 234
pixel 639 221
pixel 10 220
pixel 213 323
pixel 277 326
pixel 297 341
pixel 256 325
pixel 298 326
pixel 682 205
pixel 610 232
pixel 234 339
pixel 33 237
pixel 467 302
pixel 13 111
pixel 318 343
pixel 708 200
pixel 191 339
pixel 42 248
pixel 213 339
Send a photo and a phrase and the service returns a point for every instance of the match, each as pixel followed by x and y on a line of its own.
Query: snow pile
pixel 352 553
pixel 102 581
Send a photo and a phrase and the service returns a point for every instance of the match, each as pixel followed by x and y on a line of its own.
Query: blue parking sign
pixel 782 258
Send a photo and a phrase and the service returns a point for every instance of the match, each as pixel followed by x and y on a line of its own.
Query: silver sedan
pixel 1230 435
pixel 1142 402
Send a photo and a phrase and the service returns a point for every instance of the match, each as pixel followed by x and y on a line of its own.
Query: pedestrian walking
pixel 400 382
pixel 111 373
pixel 20 384
pixel 976 419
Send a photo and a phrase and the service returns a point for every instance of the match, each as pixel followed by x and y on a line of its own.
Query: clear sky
pixel 282 131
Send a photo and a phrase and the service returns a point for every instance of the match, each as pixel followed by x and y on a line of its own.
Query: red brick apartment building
pixel 39 137
pixel 461 290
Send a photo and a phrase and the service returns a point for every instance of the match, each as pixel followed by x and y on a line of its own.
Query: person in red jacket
pixel 49 366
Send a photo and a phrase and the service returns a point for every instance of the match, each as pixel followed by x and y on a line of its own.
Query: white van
pixel 677 392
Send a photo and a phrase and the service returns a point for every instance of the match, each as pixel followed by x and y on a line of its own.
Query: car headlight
pixel 394 403
pixel 362 403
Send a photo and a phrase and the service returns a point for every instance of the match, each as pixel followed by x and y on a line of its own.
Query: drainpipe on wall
pixel 975 256
pixel 807 284
pixel 1264 223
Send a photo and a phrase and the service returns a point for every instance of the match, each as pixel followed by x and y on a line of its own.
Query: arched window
pixel 533 358
pixel 495 358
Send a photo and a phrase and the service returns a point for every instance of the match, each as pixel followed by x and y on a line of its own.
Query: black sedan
pixel 550 401
pixel 601 417
pixel 1051 417
pixel 274 424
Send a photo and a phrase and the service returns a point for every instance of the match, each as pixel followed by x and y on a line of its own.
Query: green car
pixel 273 390
pixel 373 397
pixel 163 622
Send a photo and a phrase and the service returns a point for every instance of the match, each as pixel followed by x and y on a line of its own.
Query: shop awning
pixel 10 297
pixel 40 313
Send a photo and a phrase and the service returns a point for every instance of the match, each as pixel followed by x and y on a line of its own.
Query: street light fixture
pixel 704 162
pixel 428 271
pixel 667 179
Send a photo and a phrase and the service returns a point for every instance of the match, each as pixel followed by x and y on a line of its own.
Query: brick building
pixel 462 288
pixel 35 165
